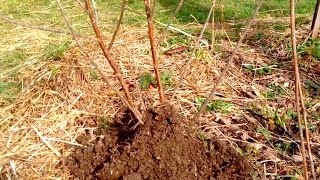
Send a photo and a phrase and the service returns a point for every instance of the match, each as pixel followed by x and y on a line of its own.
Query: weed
pixel 284 147
pixel 308 104
pixel 9 90
pixel 219 106
pixel 265 132
pixel 94 75
pixel 12 59
pixel 214 106
pixel 178 40
pixel 203 136
pixel 312 86
pixel 316 116
pixel 105 122
pixel 281 27
pixel 145 80
pixel 265 70
pixel 55 52
pixel 166 78
pixel 260 35
pixel 312 48
pixel 54 70
pixel 277 90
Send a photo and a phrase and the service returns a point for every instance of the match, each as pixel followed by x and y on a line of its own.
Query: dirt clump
pixel 165 147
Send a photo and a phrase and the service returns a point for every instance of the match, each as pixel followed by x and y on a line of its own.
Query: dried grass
pixel 42 125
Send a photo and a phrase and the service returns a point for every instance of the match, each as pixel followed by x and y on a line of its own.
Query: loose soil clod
pixel 164 148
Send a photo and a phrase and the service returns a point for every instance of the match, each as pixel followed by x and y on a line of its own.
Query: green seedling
pixel 55 52
pixel 265 132
pixel 260 35
pixel 105 122
pixel 283 146
pixel 12 59
pixel 9 90
pixel 276 91
pixel 312 86
pixel 54 70
pixel 281 27
pixel 219 106
pixel 166 78
pixel 145 80
pixel 94 75
pixel 265 70
pixel 214 106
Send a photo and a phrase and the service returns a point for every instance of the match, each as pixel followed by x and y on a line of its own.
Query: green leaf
pixel 265 132
pixel 145 80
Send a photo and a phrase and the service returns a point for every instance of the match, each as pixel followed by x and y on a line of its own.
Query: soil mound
pixel 165 147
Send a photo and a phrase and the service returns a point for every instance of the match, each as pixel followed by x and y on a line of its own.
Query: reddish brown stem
pixel 136 113
pixel 297 92
pixel 118 24
pixel 153 50
pixel 106 53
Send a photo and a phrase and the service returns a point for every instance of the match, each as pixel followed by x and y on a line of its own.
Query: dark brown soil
pixel 165 147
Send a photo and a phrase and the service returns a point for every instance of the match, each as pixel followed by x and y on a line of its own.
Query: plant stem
pixel 297 80
pixel 213 36
pixel 123 5
pixel 106 53
pixel 234 52
pixel 153 50
pixel 104 77
pixel 187 63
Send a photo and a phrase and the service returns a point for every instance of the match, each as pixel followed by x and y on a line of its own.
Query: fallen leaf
pixel 177 50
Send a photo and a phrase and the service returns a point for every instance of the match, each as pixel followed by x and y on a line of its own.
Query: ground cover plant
pixel 66 112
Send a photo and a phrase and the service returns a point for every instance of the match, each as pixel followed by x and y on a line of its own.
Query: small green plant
pixel 277 90
pixel 199 101
pixel 312 85
pixel 265 70
pixel 203 136
pixel 13 58
pixel 219 106
pixel 214 106
pixel 177 40
pixel 260 35
pixel 94 75
pixel 54 70
pixel 9 90
pixel 316 116
pixel 145 80
pixel 105 122
pixel 283 146
pixel 166 78
pixel 55 52
pixel 312 48
pixel 281 27
pixel 265 132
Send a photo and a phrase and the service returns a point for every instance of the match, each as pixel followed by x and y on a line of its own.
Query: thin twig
pixel 297 92
pixel 224 72
pixel 162 24
pixel 153 10
pixel 153 50
pixel 304 114
pixel 181 2
pixel 213 36
pixel 106 53
pixel 95 10
pixel 123 5
pixel 186 66
pixel 40 28
pixel 104 77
